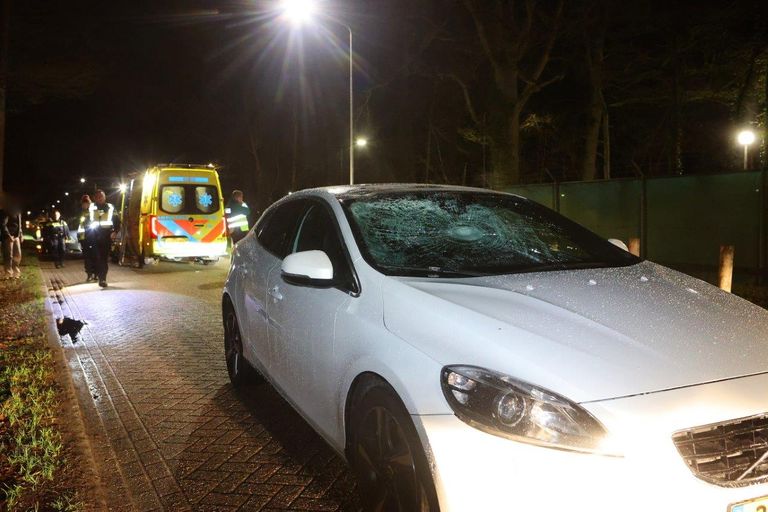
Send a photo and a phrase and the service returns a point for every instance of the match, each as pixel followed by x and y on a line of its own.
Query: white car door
pixel 261 254
pixel 303 319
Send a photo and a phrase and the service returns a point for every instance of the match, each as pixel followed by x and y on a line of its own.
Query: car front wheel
pixel 240 372
pixel 386 455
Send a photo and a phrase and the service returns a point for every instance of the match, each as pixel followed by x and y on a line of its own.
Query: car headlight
pixel 500 405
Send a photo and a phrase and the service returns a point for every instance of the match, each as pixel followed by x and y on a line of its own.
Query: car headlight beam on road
pixel 500 405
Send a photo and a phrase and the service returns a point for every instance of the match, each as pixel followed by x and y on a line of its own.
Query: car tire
pixel 386 455
pixel 240 372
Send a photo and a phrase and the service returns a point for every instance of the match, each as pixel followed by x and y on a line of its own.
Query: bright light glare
pixel 298 11
pixel 361 142
pixel 746 137
pixel 82 180
pixel 122 188
pixel 66 193
pixel 58 201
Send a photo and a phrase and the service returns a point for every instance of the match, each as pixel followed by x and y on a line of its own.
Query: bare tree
pixel 594 27
pixel 517 42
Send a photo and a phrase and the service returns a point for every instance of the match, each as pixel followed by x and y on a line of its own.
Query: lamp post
pixel 301 11
pixel 746 138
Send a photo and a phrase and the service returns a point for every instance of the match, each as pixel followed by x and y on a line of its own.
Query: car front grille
pixel 730 454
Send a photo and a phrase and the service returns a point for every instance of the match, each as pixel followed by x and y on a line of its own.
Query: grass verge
pixel 32 455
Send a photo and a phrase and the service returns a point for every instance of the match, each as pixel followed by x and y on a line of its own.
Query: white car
pixel 467 350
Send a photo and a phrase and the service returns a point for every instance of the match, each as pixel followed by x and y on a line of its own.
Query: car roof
pixel 342 192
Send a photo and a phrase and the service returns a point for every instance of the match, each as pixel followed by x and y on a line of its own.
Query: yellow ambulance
pixel 173 212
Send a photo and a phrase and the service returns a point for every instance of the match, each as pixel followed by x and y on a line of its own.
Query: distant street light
pixel 361 142
pixel 58 201
pixel 82 180
pixel 122 188
pixel 300 12
pixel 66 193
pixel 746 138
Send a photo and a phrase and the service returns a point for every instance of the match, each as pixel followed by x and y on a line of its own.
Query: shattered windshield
pixel 442 233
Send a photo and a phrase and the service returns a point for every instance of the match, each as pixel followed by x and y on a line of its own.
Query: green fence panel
pixel 541 193
pixel 690 217
pixel 609 208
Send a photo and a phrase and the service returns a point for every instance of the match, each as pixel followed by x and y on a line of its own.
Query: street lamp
pixel 82 180
pixel 746 138
pixel 361 142
pixel 66 193
pixel 300 12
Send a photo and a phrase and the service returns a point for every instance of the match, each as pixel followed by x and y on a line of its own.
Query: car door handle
pixel 275 293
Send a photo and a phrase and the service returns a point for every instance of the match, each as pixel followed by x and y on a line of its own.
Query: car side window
pixel 278 228
pixel 318 231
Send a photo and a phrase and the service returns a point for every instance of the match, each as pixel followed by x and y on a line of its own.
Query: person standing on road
pixel 103 224
pixel 237 214
pixel 59 233
pixel 10 238
pixel 86 244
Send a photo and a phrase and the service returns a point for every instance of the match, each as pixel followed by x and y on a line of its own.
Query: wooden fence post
pixel 725 274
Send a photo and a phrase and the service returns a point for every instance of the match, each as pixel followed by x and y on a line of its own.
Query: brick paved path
pixel 168 429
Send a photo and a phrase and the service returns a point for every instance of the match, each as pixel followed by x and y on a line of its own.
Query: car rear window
pixel 189 199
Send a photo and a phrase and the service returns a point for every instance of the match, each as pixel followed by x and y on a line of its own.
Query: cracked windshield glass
pixel 464 234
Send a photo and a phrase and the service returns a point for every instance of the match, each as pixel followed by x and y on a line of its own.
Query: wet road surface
pixel 167 429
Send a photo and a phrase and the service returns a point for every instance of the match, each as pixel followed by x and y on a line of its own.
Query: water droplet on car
pixel 592 282
pixel 529 287
pixel 643 279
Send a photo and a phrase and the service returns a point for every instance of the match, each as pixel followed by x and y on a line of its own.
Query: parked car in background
pixel 472 350
pixel 43 246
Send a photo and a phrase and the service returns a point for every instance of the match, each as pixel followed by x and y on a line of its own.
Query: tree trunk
pixel 606 144
pixel 591 139
pixel 677 115
pixel 505 154
pixel 594 26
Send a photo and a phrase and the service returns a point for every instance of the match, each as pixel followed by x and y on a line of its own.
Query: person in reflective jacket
pixel 86 244
pixel 237 214
pixel 57 232
pixel 103 224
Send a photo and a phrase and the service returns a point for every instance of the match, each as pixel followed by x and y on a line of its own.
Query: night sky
pixel 104 89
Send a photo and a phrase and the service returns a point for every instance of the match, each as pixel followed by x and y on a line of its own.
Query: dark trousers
pixel 88 260
pixel 58 250
pixel 101 246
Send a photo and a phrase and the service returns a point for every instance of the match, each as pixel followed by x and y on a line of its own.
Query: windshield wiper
pixel 431 271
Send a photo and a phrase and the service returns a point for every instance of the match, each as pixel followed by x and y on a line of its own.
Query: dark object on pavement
pixel 69 326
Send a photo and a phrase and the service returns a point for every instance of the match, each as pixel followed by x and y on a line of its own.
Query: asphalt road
pixel 167 429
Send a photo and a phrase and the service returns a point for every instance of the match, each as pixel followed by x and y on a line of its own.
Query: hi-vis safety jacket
pixel 102 218
pixel 85 219
pixel 237 216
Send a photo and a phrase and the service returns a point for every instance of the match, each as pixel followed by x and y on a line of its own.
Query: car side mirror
pixel 308 268
pixel 618 243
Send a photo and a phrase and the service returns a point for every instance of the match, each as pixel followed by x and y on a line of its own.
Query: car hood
pixel 589 334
